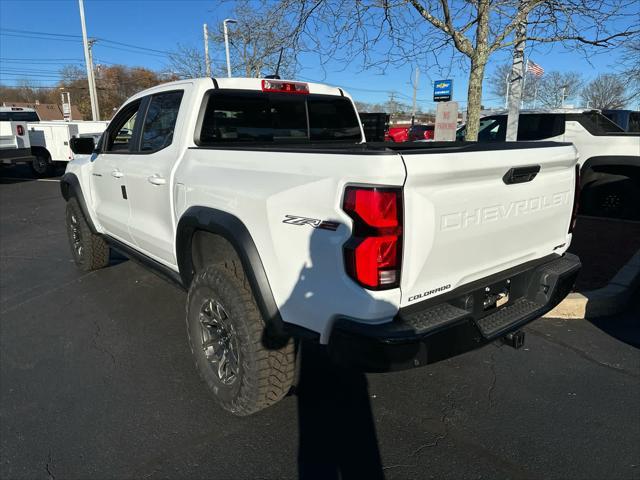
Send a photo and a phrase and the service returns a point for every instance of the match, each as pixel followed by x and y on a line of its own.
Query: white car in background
pixel 609 156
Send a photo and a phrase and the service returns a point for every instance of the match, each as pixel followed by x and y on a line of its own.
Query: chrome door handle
pixel 156 180
pixel 117 174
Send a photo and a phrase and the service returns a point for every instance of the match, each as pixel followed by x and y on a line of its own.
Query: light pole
pixel 207 61
pixel 226 42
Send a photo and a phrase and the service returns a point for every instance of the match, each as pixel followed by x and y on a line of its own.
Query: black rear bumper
pixel 456 322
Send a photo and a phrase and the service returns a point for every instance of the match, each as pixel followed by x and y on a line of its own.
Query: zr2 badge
pixel 314 222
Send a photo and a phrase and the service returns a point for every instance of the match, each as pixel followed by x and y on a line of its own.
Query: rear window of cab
pixel 237 116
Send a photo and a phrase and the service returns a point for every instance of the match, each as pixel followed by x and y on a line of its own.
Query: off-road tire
pixel 265 373
pixel 89 251
pixel 42 166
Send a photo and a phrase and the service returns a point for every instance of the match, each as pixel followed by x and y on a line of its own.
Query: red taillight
pixel 373 255
pixel 20 130
pixel 285 87
pixel 576 201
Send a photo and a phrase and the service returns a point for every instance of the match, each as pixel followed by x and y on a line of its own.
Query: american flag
pixel 534 68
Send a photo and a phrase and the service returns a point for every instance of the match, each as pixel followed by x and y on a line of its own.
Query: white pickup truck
pixel 609 156
pixel 44 144
pixel 261 198
pixel 14 143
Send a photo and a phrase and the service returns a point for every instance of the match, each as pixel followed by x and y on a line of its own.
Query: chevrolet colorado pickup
pixel 262 199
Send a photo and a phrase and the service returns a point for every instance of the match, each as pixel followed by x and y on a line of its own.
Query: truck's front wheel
pixel 225 331
pixel 90 251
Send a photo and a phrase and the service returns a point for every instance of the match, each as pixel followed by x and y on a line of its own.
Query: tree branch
pixel 461 42
pixel 601 42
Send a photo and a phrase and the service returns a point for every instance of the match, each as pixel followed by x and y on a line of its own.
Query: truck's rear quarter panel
pixel 305 264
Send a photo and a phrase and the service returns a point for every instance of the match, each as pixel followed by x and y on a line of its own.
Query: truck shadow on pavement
pixel 337 434
pixel 336 427
pixel 23 173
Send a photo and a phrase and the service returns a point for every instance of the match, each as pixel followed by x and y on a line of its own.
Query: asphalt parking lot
pixel 96 381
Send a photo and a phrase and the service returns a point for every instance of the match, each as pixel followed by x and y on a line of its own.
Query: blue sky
pixel 161 24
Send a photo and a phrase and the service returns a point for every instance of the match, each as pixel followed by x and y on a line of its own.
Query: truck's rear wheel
pixel 90 251
pixel 225 331
pixel 42 165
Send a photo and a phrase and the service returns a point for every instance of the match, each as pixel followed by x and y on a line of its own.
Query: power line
pixel 18 35
pixel 40 33
pixel 129 50
pixel 164 52
pixel 73 38
pixel 38 60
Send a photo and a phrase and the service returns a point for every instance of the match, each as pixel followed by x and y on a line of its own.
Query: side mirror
pixel 82 145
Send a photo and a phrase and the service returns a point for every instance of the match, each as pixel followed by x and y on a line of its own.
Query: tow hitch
pixel 514 339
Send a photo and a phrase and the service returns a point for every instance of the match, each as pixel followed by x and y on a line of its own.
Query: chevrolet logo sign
pixel 442 85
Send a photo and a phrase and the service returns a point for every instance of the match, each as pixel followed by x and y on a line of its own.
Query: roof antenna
pixel 276 76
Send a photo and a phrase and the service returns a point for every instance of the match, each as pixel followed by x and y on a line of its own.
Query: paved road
pixel 96 381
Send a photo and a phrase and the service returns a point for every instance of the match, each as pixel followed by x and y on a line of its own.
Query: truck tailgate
pixel 464 220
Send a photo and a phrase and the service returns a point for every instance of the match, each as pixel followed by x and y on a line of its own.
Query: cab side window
pixel 536 126
pixel 119 138
pixel 493 129
pixel 160 121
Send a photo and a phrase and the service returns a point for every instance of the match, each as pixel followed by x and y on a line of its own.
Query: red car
pixel 420 132
pixel 398 134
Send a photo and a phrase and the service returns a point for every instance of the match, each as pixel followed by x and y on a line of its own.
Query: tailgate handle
pixel 521 174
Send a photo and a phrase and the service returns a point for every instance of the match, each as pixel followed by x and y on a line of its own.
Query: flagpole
pixel 524 81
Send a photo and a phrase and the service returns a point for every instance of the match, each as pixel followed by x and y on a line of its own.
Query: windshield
pixel 246 116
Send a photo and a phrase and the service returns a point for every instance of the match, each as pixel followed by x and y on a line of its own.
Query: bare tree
pixel 115 84
pixel 556 89
pixel 261 33
pixel 265 34
pixel 382 33
pixel 27 92
pixel 606 91
pixel 498 79
pixel 631 67
pixel 186 62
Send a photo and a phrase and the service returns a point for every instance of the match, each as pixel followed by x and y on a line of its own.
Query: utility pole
pixel 415 90
pixel 392 103
pixel 88 58
pixel 517 76
pixel 91 42
pixel 207 60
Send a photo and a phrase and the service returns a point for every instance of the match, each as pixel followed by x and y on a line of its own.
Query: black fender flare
pixel 70 187
pixel 236 233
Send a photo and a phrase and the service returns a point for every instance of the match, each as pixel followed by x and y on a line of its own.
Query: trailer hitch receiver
pixel 514 339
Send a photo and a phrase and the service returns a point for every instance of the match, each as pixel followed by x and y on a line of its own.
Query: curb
pixel 604 301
